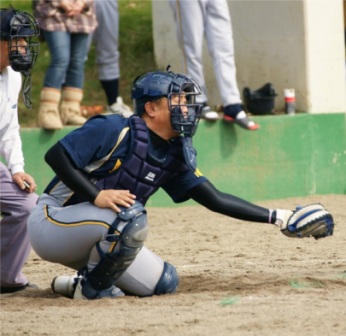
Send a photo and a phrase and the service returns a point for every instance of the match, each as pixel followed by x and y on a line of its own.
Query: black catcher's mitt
pixel 309 221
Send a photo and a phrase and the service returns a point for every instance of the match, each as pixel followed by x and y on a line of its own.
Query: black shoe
pixel 7 290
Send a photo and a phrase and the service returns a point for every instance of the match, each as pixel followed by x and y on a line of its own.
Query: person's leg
pixel 66 235
pixel 106 38
pixel 189 19
pixel 219 37
pixel 59 47
pixel 111 89
pixel 221 48
pixel 75 71
pixel 72 93
pixel 15 207
pixel 58 43
pixel 101 245
pixel 191 37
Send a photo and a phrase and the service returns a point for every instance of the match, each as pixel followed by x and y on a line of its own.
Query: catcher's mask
pixel 181 92
pixel 19 29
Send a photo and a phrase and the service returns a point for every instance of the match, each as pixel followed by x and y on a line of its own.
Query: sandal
pixel 245 122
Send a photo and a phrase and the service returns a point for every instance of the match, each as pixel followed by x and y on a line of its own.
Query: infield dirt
pixel 236 278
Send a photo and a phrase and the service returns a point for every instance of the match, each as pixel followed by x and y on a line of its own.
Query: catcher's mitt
pixel 309 221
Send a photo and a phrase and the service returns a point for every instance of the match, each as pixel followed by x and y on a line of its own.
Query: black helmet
pixel 260 101
pixel 158 84
pixel 16 25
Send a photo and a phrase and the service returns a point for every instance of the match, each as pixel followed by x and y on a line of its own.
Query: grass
pixel 136 57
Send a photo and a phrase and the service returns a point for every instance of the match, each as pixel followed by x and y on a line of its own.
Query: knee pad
pixel 169 280
pixel 134 226
pixel 132 229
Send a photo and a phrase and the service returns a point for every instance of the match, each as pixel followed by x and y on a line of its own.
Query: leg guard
pixel 148 275
pixel 130 230
pixel 169 280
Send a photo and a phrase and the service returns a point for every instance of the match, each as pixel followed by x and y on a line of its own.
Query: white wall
pixel 292 44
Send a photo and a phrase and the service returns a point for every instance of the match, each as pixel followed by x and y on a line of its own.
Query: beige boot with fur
pixel 70 106
pixel 48 115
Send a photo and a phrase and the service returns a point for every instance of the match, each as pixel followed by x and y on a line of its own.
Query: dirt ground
pixel 236 278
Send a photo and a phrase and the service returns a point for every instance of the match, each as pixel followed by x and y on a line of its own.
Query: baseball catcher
pixel 92 217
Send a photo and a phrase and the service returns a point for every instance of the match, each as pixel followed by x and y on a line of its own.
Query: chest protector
pixel 142 172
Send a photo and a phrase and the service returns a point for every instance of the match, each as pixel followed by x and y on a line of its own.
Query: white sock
pixel 241 115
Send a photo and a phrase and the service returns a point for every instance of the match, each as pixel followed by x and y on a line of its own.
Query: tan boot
pixel 48 115
pixel 70 106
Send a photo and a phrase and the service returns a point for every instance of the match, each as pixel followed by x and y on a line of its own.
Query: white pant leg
pixel 219 35
pixel 66 235
pixel 189 19
pixel 106 39
pixel 210 18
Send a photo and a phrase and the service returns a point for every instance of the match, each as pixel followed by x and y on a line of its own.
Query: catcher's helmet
pixel 155 85
pixel 15 27
pixel 260 101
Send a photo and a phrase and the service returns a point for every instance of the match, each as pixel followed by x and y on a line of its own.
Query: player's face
pixel 158 118
pixel 163 116
pixel 180 100
pixel 159 115
pixel 19 45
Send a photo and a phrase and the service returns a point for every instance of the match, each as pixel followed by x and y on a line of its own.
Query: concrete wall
pixel 289 156
pixel 292 44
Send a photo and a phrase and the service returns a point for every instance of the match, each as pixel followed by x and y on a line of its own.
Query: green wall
pixel 289 156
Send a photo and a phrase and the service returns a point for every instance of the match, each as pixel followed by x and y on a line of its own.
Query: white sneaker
pixel 65 285
pixel 208 114
pixel 120 108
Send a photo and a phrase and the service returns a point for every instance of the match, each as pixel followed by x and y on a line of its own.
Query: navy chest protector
pixel 142 172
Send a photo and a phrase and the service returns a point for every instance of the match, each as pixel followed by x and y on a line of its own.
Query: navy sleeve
pixel 178 188
pixel 94 140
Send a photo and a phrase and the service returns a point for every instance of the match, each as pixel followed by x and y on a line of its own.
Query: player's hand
pixel 112 198
pixel 24 181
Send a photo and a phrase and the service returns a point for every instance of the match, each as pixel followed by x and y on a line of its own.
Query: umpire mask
pixel 20 29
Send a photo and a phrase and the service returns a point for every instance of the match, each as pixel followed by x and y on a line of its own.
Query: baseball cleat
pixel 84 291
pixel 64 285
